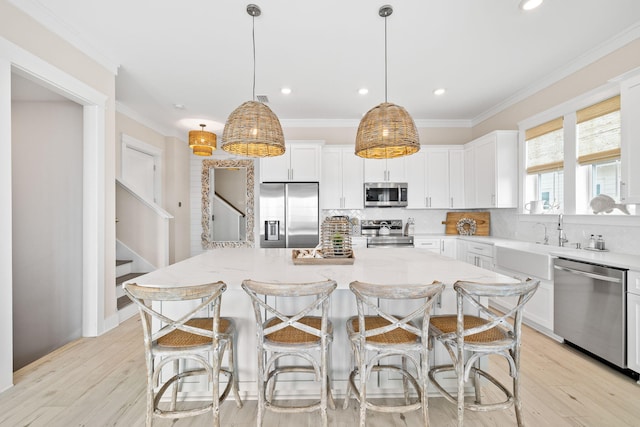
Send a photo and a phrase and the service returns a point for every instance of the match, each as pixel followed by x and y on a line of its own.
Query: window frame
pixel 567 110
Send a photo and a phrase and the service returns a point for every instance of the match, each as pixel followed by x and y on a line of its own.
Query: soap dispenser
pixel 592 242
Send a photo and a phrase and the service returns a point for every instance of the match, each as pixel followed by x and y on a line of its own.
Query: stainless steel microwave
pixel 385 194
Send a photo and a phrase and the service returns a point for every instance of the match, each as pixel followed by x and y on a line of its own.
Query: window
pixel 545 163
pixel 598 139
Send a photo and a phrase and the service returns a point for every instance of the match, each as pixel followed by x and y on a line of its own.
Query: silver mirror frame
pixel 207 165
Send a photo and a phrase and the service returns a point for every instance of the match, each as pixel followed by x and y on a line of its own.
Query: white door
pixel 138 172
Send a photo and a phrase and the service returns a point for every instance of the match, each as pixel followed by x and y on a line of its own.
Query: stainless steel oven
pixel 590 308
pixel 385 233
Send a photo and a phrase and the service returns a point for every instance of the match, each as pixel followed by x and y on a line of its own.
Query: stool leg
pixel 261 391
pixel 215 386
pixel 363 389
pixel 323 382
pixel 516 388
pixel 232 368
pixel 476 382
pixel 459 365
pixel 174 391
pixel 150 395
pixel 405 381
pixel 424 383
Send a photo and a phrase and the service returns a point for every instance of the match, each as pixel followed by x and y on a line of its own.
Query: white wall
pixel 47 227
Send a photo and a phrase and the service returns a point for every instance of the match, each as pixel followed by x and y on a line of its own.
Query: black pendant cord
pixel 253 37
pixel 385 59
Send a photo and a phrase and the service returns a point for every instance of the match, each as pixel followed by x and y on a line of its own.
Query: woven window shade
pixel 253 130
pixel 544 144
pixel 385 132
pixel 599 132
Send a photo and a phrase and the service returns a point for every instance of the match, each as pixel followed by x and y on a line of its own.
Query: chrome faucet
pixel 562 237
pixel 546 237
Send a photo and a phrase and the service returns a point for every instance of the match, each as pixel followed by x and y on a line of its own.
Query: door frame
pixel 16 59
pixel 129 142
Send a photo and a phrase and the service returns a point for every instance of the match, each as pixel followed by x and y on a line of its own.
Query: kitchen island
pixel 386 266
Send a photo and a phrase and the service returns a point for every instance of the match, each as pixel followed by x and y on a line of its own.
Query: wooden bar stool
pixel 377 337
pixel 479 336
pixel 304 334
pixel 184 340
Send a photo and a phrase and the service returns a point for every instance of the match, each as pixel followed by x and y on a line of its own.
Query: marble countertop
pixel 385 266
pixel 614 259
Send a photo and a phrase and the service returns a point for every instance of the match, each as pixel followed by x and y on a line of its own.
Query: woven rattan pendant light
pixel 387 130
pixel 202 142
pixel 252 129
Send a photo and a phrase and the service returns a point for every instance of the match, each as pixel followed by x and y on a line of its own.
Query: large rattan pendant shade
pixel 253 130
pixel 387 130
pixel 202 142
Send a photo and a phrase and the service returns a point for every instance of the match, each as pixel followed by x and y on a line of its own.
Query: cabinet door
pixel 633 330
pixel 456 179
pixel 448 247
pixel 352 180
pixel 470 177
pixel 416 180
pixel 275 169
pixel 305 162
pixel 539 309
pixel 437 178
pixel 485 179
pixel 331 180
pixel 630 148
pixel 375 170
pixel 396 170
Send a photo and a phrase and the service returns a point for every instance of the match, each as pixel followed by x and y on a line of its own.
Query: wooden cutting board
pixel 482 219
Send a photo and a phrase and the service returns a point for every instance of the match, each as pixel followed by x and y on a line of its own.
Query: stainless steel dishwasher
pixel 590 308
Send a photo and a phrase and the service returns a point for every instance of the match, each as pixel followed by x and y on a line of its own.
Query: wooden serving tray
pixel 321 261
pixel 483 220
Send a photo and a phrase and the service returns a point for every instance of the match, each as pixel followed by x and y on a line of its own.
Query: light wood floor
pixel 100 382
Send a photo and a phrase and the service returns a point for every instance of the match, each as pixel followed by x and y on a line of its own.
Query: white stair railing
pixel 142 225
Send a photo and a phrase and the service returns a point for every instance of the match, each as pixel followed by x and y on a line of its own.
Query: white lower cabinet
pixel 442 246
pixel 633 320
pixel 539 310
pixel 478 254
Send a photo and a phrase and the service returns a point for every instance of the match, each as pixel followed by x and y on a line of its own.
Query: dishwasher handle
pixel 590 275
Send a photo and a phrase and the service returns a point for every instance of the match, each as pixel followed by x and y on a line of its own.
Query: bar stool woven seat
pixel 191 346
pixel 468 338
pixel 379 340
pixel 300 335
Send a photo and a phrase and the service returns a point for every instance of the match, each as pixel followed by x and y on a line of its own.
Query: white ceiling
pixel 487 53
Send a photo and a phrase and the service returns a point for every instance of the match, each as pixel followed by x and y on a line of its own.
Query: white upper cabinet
pixel 630 143
pixel 300 162
pixel 491 171
pixel 385 170
pixel 435 178
pixel 342 184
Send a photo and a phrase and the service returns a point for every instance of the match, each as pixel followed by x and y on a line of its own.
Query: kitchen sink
pixel 534 263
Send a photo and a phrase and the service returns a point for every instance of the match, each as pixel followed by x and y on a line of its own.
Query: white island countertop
pixel 385 266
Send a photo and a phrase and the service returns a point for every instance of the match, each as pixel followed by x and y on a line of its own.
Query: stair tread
pixel 123 261
pixel 125 277
pixel 123 301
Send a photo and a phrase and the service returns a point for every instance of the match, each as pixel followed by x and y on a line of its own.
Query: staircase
pixel 123 274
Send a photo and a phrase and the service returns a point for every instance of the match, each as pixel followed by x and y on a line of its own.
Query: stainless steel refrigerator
pixel 289 215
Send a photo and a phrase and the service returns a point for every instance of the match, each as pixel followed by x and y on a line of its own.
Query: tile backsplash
pixel 621 233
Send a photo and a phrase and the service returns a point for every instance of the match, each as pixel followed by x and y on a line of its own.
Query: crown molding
pixel 623 38
pixel 155 126
pixel 43 15
pixel 351 123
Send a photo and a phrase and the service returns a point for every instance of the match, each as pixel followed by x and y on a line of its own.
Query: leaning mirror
pixel 227 203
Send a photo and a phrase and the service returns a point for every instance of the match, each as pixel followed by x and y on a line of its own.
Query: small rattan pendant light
pixel 202 142
pixel 387 130
pixel 252 129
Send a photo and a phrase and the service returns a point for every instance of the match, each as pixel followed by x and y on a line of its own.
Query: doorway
pixel 47 228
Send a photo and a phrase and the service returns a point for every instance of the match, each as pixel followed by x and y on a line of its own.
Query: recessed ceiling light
pixel 439 91
pixel 363 91
pixel 285 90
pixel 530 4
pixel 178 106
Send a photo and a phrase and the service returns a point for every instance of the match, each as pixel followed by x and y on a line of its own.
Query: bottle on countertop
pixel 592 242
pixel 409 227
pixel 600 243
